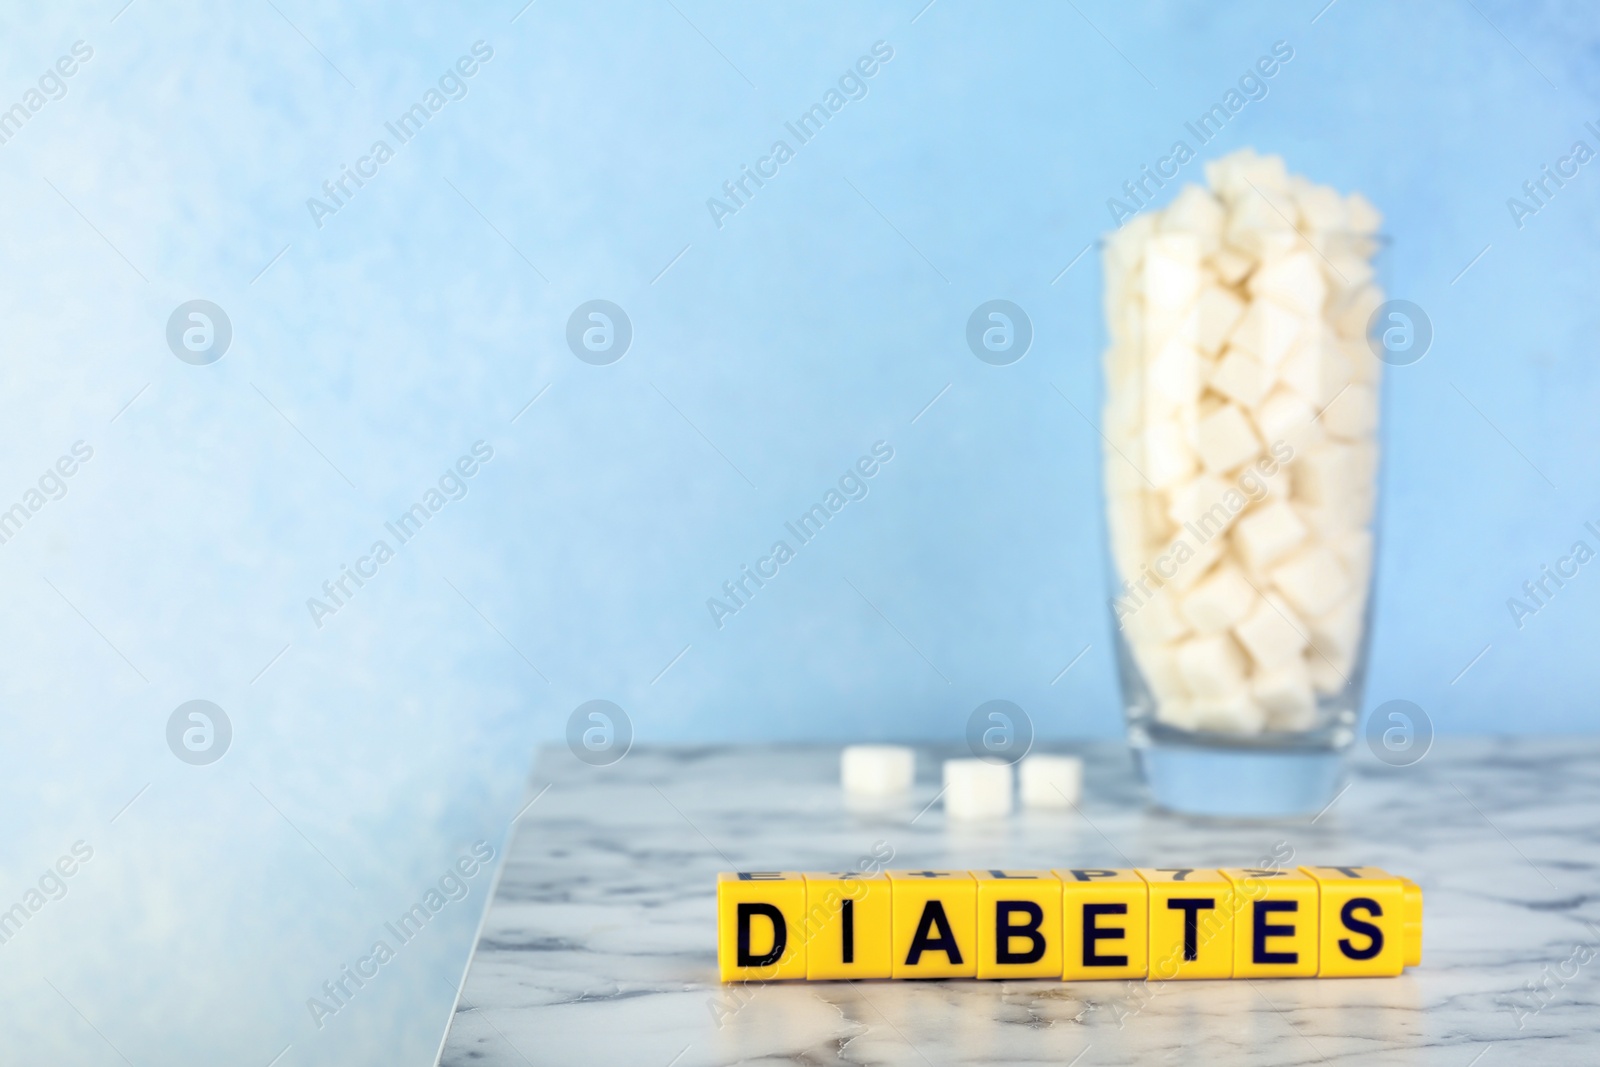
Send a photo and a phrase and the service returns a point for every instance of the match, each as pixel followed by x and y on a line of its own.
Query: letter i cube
pixel 847 925
pixel 1019 924
pixel 935 924
pixel 1191 922
pixel 760 925
pixel 1275 923
pixel 1371 922
pixel 1105 924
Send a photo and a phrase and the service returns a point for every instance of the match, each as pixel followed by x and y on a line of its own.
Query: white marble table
pixel 599 946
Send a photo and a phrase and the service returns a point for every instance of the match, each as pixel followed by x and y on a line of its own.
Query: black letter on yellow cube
pixel 935 923
pixel 760 918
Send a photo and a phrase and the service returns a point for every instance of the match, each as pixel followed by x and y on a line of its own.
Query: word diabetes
pixel 1070 924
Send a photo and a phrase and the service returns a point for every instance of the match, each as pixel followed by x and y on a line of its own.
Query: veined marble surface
pixel 599 946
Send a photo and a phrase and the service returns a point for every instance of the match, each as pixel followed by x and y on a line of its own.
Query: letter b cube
pixel 1019 924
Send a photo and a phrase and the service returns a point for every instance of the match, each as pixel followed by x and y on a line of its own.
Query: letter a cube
pixel 935 924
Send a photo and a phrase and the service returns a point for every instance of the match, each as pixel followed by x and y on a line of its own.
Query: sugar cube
pixel 877 770
pixel 1353 414
pixel 1217 601
pixel 1326 679
pixel 1312 579
pixel 1294 281
pixel 1051 781
pixel 1267 533
pixel 1268 331
pixel 1158 663
pixel 1271 633
pixel 977 789
pixel 1336 633
pixel 1285 693
pixel 1240 378
pixel 1287 416
pixel 1226 439
pixel 1219 312
pixel 1233 713
pixel 1165 456
pixel 1211 665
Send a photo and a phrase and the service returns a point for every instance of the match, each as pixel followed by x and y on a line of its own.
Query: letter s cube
pixel 761 925
pixel 1371 922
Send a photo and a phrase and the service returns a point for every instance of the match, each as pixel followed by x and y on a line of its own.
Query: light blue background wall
pixel 775 350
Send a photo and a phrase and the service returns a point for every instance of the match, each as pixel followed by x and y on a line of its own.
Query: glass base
pixel 1240 783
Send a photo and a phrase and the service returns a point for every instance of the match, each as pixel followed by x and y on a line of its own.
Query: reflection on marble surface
pixel 599 946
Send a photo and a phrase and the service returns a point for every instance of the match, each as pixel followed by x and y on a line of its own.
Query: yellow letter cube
pixel 1275 923
pixel 760 925
pixel 847 925
pixel 1371 922
pixel 1105 924
pixel 935 924
pixel 1191 922
pixel 1019 924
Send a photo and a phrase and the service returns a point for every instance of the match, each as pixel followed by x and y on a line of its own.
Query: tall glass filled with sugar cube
pixel 1241 461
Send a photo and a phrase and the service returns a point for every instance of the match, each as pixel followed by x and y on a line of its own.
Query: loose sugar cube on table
pixel 1051 781
pixel 977 789
pixel 877 770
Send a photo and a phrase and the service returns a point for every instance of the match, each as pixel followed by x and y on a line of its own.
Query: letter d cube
pixel 761 925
